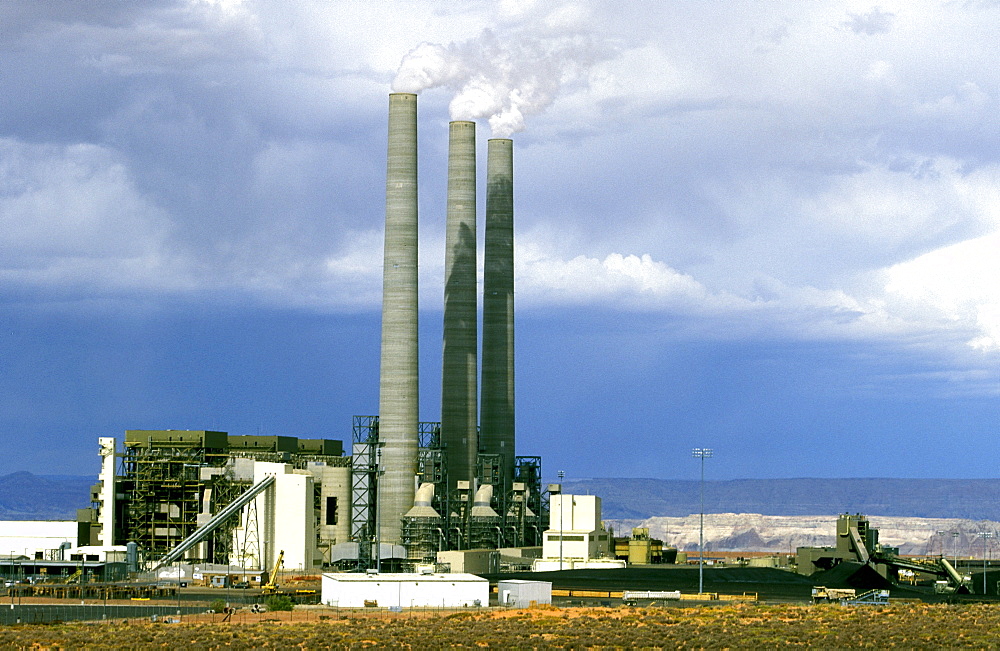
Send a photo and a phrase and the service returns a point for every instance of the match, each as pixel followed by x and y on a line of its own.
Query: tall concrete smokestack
pixel 458 372
pixel 497 391
pixel 398 383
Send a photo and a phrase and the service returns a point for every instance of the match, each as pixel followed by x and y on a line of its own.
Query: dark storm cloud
pixel 783 180
pixel 209 135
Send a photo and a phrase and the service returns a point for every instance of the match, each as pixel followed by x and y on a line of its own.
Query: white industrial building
pixel 109 554
pixel 405 590
pixel 576 537
pixel 284 518
pixel 32 537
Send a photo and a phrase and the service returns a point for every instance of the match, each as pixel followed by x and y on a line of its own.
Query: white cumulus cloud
pixel 957 283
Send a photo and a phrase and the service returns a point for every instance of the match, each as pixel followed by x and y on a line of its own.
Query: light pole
pixel 954 537
pixel 561 511
pixel 702 454
pixel 986 535
pixel 378 525
pixel 178 565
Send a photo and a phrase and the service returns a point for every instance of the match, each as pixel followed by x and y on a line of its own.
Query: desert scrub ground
pixel 737 626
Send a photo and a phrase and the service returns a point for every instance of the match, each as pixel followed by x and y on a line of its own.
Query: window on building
pixel 331 510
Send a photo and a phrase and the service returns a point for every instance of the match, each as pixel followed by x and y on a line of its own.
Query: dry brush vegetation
pixel 737 626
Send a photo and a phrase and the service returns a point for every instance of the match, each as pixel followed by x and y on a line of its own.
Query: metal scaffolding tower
pixel 165 496
pixel 364 485
pixel 521 513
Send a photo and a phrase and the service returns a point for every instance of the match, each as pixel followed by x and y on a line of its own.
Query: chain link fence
pixel 50 613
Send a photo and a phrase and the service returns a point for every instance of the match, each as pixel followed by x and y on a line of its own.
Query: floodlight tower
pixel 701 453
pixel 985 535
pixel 561 511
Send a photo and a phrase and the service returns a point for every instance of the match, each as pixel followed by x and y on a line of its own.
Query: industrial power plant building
pixel 406 489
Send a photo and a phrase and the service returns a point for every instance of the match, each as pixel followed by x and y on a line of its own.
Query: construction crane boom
pixel 272 578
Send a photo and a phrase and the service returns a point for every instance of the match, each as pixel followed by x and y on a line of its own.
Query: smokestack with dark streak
pixel 398 380
pixel 459 368
pixel 497 384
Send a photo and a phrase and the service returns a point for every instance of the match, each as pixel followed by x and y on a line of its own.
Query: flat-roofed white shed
pixel 405 590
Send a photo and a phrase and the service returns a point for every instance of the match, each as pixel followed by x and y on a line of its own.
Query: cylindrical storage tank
pixel 497 384
pixel 398 382
pixel 459 367
pixel 131 557
pixel 335 510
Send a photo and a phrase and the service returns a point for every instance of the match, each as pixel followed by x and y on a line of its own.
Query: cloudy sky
pixel 771 229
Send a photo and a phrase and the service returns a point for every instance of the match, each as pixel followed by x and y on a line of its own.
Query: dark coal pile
pixel 767 583
pixel 852 575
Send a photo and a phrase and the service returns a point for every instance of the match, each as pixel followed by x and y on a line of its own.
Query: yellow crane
pixel 272 579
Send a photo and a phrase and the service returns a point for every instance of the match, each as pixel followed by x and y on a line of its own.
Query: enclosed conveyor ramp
pixel 205 530
pixel 940 567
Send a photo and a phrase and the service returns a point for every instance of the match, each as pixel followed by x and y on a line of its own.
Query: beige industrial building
pixel 641 549
pixel 488 561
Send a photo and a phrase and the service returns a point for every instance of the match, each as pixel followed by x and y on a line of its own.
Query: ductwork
pixel 513 510
pixel 422 503
pixel 481 505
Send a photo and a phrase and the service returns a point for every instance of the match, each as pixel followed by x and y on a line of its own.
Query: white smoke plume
pixel 503 77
